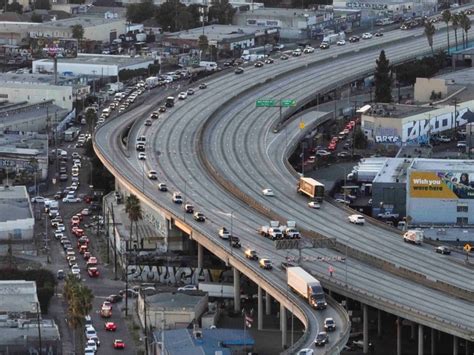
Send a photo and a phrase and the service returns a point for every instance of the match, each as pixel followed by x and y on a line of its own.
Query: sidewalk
pixel 58 310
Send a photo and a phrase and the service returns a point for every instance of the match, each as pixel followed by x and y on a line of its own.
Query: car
pixel 60 227
pixel 297 52
pixel 224 233
pixel 110 326
pixel 70 199
pixel 367 35
pixel 38 199
pixel 269 61
pixel 378 34
pixel 141 156
pixel 92 261
pixel 343 154
pixel 321 339
pixel 128 293
pixel 199 216
pixel 114 298
pixel 76 155
pixel 235 242
pixel 91 344
pixel 258 64
pixel 251 254
pixel 461 144
pixel 119 344
pixel 63 177
pixel 308 49
pixel 86 255
pixel 93 272
pixel 322 152
pixel 341 42
pixel 152 175
pixel 89 351
pixel 190 92
pixel 60 275
pixel 305 351
pixel 85 212
pixel 284 57
pixel 182 95
pixel 162 109
pixel 177 198
pixel 148 122
pixel 329 325
pixel 189 208
pixel 341 200
pixel 71 260
pixel 188 288
pixel 140 147
pixel 239 70
pixel 58 235
pixel 443 250
pixel 268 192
pixel 264 263
pixel 324 45
pixel 203 86
pixel 279 46
pixel 354 39
pixel 314 204
pixel 162 187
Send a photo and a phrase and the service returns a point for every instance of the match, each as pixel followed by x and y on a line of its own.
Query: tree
pixel 78 33
pixel 79 298
pixel 15 7
pixel 36 18
pixel 446 15
pixel 172 15
pixel 42 4
pixel 203 44
pixel 134 210
pixel 383 81
pixel 455 23
pixel 91 117
pixel 465 23
pixel 430 30
pixel 360 140
pixel 140 12
pixel 222 12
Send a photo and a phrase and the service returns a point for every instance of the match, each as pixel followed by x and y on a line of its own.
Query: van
pixel 414 236
pixel 169 101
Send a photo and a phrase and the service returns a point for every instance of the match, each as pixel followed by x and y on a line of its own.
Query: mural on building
pixel 173 274
pixel 419 131
pixel 442 185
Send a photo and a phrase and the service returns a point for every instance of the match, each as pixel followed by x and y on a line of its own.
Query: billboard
pixel 44 47
pixel 442 185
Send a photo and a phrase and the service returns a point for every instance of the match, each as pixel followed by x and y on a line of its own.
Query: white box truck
pixel 216 289
pixel 307 286
pixel 414 236
pixel 152 82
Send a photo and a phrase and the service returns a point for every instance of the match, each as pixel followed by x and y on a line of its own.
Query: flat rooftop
pixel 101 59
pixel 17 296
pixel 396 110
pixel 442 165
pixel 216 32
pixel 175 301
pixel 14 204
pixel 35 79
pixel 25 112
pixel 16 336
pixel 84 21
pixel 394 170
pixel 280 12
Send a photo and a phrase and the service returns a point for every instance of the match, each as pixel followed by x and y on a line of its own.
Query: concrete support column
pixel 200 256
pixel 365 325
pixel 420 339
pixel 412 333
pixel 260 309
pixel 433 335
pixel 236 290
pixel 379 323
pixel 283 325
pixel 455 345
pixel 468 347
pixel 399 336
pixel 268 304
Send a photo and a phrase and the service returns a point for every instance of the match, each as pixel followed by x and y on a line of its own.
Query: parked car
pixel 188 288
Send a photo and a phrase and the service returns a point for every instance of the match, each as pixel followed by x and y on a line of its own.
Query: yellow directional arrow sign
pixel 302 125
pixel 467 248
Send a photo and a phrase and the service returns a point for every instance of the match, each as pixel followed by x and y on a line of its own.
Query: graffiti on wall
pixel 173 274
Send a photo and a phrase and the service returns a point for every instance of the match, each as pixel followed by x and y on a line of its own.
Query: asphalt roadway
pixel 238 153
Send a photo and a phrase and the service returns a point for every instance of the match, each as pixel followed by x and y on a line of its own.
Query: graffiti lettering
pixel 172 275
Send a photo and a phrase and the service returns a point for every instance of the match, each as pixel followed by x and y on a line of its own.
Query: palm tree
pixel 446 15
pixel 465 23
pixel 79 298
pixel 91 117
pixel 455 23
pixel 430 30
pixel 134 210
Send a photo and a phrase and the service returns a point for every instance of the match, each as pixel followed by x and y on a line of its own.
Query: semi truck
pixel 216 289
pixel 307 286
pixel 272 231
pixel 311 187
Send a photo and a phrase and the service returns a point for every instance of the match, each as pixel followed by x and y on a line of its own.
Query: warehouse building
pixel 16 215
pixel 446 186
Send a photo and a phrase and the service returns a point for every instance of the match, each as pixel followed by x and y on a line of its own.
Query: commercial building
pixel 24 152
pixel 97 65
pixel 396 124
pixel 16 215
pixel 202 342
pixel 446 186
pixel 18 297
pixel 171 310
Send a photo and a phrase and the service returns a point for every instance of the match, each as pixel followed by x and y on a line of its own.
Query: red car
pixel 78 232
pixel 93 272
pixel 110 326
pixel 331 146
pixel 87 255
pixel 119 344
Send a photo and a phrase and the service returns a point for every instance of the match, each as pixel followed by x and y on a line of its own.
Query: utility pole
pixel 145 323
pixel 39 327
pixel 126 284
pixel 115 241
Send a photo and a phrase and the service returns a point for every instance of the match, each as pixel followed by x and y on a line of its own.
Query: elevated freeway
pixel 237 146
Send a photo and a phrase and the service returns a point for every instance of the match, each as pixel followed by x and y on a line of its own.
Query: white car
pixel 314 204
pixel 308 49
pixel 322 152
pixel 86 212
pixel 461 144
pixel 367 35
pixel 341 42
pixel 182 95
pixel 69 199
pixel 38 199
pixel 90 332
pixel 91 344
pixel 177 198
pixel 356 219
pixel 268 192
pixel 188 288
pixel 224 233
pixel 305 352
pixel 60 228
pixel 152 175
pixel 141 156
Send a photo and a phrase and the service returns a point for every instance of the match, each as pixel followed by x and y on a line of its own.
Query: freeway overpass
pixel 239 152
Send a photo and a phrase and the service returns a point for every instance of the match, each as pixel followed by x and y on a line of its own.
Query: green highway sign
pixel 288 102
pixel 266 103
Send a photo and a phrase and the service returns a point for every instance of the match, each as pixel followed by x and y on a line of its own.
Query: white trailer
pixel 152 82
pixel 307 286
pixel 216 289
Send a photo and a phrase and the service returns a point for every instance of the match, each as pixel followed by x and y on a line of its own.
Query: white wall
pixel 76 68
pixel 24 225
pixel 62 95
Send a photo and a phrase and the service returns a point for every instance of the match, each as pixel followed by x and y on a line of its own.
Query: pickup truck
pixel 388 215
